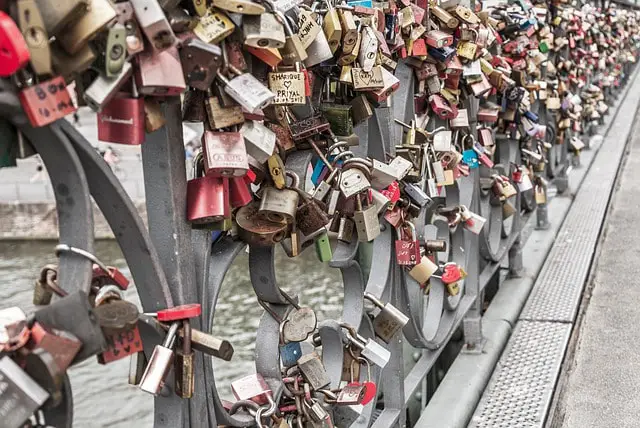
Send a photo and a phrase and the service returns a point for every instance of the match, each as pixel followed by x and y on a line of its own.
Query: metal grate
pixel 556 293
pixel 521 388
pixel 518 393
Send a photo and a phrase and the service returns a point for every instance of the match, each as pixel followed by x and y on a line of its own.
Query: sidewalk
pixel 602 377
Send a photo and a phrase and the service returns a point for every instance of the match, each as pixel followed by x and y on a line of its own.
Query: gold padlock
pixel 33 29
pixel 100 14
pixel 214 27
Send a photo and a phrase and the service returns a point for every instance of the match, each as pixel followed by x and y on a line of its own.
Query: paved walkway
pixel 602 378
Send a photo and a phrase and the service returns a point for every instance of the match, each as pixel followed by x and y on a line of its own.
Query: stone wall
pixel 39 220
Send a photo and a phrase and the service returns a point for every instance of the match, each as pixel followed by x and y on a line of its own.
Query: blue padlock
pixel 470 157
pixel 290 353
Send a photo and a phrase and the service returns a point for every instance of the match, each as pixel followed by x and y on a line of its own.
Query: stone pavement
pixel 601 378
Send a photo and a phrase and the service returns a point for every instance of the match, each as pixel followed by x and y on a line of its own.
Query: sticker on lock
pixel 288 87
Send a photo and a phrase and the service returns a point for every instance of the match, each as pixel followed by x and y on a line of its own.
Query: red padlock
pixel 392 192
pixel 207 196
pixel 112 276
pixel 121 345
pixel 14 53
pixel 239 193
pixel 407 247
pixel 442 107
pixel 451 273
pixel 121 121
pixel 181 312
pixel 47 101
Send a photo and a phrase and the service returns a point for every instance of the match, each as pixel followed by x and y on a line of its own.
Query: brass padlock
pixel 100 14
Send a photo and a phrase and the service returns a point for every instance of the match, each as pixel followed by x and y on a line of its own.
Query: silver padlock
pixel 278 205
pixel 160 363
pixel 367 222
pixel 382 174
pixel 313 371
pixel 246 90
pixel 387 323
pixel 353 181
pixel 370 349
pixel 318 51
pixel 154 24
pixel 20 395
pixel 381 202
pixel 103 89
pixel 263 31
pixel 417 195
pixel 259 140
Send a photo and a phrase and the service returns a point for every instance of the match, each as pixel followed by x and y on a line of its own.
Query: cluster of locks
pixel 271 78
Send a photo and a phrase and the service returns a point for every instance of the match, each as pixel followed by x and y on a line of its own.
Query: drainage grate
pixel 521 388
pixel 519 392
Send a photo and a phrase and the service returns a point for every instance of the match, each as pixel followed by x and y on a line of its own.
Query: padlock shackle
pixel 171 335
pixel 60 248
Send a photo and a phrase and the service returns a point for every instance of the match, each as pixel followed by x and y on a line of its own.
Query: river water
pixel 102 396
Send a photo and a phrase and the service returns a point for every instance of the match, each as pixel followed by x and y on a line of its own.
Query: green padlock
pixel 323 248
pixel 543 46
pixel 339 117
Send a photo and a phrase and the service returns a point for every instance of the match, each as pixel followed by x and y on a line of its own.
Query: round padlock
pixel 180 312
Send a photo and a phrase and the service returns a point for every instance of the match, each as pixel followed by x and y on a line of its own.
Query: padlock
pixel 260 141
pixel 423 270
pixel 407 246
pixel 391 83
pixel 290 353
pixel 352 181
pixel 442 107
pixel 287 86
pixel 200 62
pixel 461 121
pixel 293 51
pixel 323 248
pixel 472 222
pixel 301 130
pixel 68 66
pixel 366 221
pixel 252 387
pixel 438 39
pixel 184 364
pixel 246 90
pixel 351 394
pixel 369 349
pixel 115 51
pixel 21 395
pixel 308 28
pixel 278 205
pixel 389 321
pixel 118 321
pixel 121 120
pixel 367 80
pixel 13 46
pixel 224 154
pixel 63 346
pixel 220 116
pixel 159 73
pixel 207 196
pixel 103 89
pixel 35 35
pixel 14 329
pixel 263 31
pixel 154 24
pixel 313 371
pixel 159 364
pixel 332 28
pixel 254 230
pixel 100 13
pixel 310 214
pixel 46 102
pixel 318 51
pixel 214 26
pixel 134 41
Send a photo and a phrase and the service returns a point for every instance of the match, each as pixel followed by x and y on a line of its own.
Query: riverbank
pixel 21 221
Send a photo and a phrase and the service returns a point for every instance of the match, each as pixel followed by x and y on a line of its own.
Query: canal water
pixel 102 396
